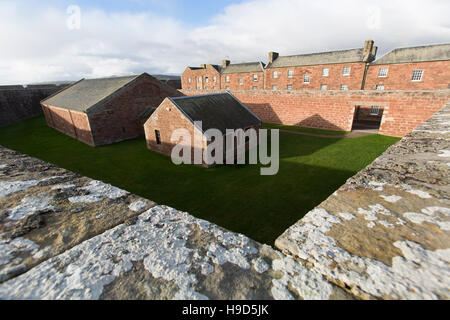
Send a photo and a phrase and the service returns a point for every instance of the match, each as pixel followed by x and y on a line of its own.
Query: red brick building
pixel 242 76
pixel 104 111
pixel 413 68
pixel 220 111
pixel 205 77
pixel 333 70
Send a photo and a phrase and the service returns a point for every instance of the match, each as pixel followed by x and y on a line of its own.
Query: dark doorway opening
pixel 367 118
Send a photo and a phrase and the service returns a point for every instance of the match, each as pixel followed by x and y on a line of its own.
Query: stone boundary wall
pixel 386 232
pixel 334 110
pixel 18 103
pixel 65 236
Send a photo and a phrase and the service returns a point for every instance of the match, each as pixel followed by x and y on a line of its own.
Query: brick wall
pixel 334 110
pixel 166 119
pixel 117 120
pixel 72 123
pixel 247 81
pixel 209 72
pixel 436 76
pixel 334 80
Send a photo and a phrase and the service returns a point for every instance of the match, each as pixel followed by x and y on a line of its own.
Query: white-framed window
pixel 344 87
pixel 215 79
pixel 306 78
pixel 227 88
pixel 325 72
pixel 227 78
pixel 255 77
pixel 255 88
pixel 374 110
pixel 206 79
pixel 275 74
pixel 383 72
pixel 379 87
pixel 289 87
pixel 274 87
pixel 290 73
pixel 189 80
pixel 323 87
pixel 199 80
pixel 417 75
pixel 214 88
pixel 346 71
pixel 241 81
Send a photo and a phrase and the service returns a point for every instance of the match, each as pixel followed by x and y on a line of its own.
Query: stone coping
pixel 64 236
pixel 386 232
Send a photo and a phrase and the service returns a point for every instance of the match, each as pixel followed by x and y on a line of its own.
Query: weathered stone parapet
pixel 64 236
pixel 386 232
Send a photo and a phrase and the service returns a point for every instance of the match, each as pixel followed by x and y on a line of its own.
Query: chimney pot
pixel 273 56
pixel 370 51
pixel 225 63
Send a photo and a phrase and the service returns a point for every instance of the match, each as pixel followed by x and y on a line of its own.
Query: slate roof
pixel 342 56
pixel 147 113
pixel 435 52
pixel 220 111
pixel 86 93
pixel 215 66
pixel 244 67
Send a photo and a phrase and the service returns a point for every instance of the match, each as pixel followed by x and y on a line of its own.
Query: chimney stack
pixel 203 66
pixel 272 56
pixel 225 63
pixel 370 51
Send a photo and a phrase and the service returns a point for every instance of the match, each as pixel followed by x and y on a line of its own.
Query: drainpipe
pixel 363 84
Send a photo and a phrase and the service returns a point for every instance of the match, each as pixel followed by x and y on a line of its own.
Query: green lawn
pixel 239 199
pixel 303 129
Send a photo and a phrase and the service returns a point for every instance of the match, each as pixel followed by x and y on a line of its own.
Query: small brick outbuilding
pixel 103 111
pixel 220 111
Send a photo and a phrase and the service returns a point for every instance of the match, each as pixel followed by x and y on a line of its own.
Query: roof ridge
pixel 132 78
pixel 420 46
pixel 321 52
pixel 116 77
pixel 63 89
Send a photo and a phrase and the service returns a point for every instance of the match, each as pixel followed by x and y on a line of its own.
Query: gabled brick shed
pixel 220 111
pixel 103 111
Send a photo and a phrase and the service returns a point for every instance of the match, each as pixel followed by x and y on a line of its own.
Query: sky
pixel 55 40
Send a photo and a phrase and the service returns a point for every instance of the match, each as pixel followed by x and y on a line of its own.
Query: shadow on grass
pixel 236 198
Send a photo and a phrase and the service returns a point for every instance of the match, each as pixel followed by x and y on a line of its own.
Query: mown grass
pixel 237 198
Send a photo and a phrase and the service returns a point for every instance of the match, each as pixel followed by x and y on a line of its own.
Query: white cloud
pixel 38 46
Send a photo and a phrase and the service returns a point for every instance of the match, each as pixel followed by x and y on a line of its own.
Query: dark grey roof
pixel 87 92
pixel 220 111
pixel 164 77
pixel 435 52
pixel 147 112
pixel 244 67
pixel 343 56
pixel 215 66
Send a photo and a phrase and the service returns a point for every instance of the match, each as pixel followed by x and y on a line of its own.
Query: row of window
pixel 206 79
pixel 325 73
pixel 417 75
pixel 322 87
